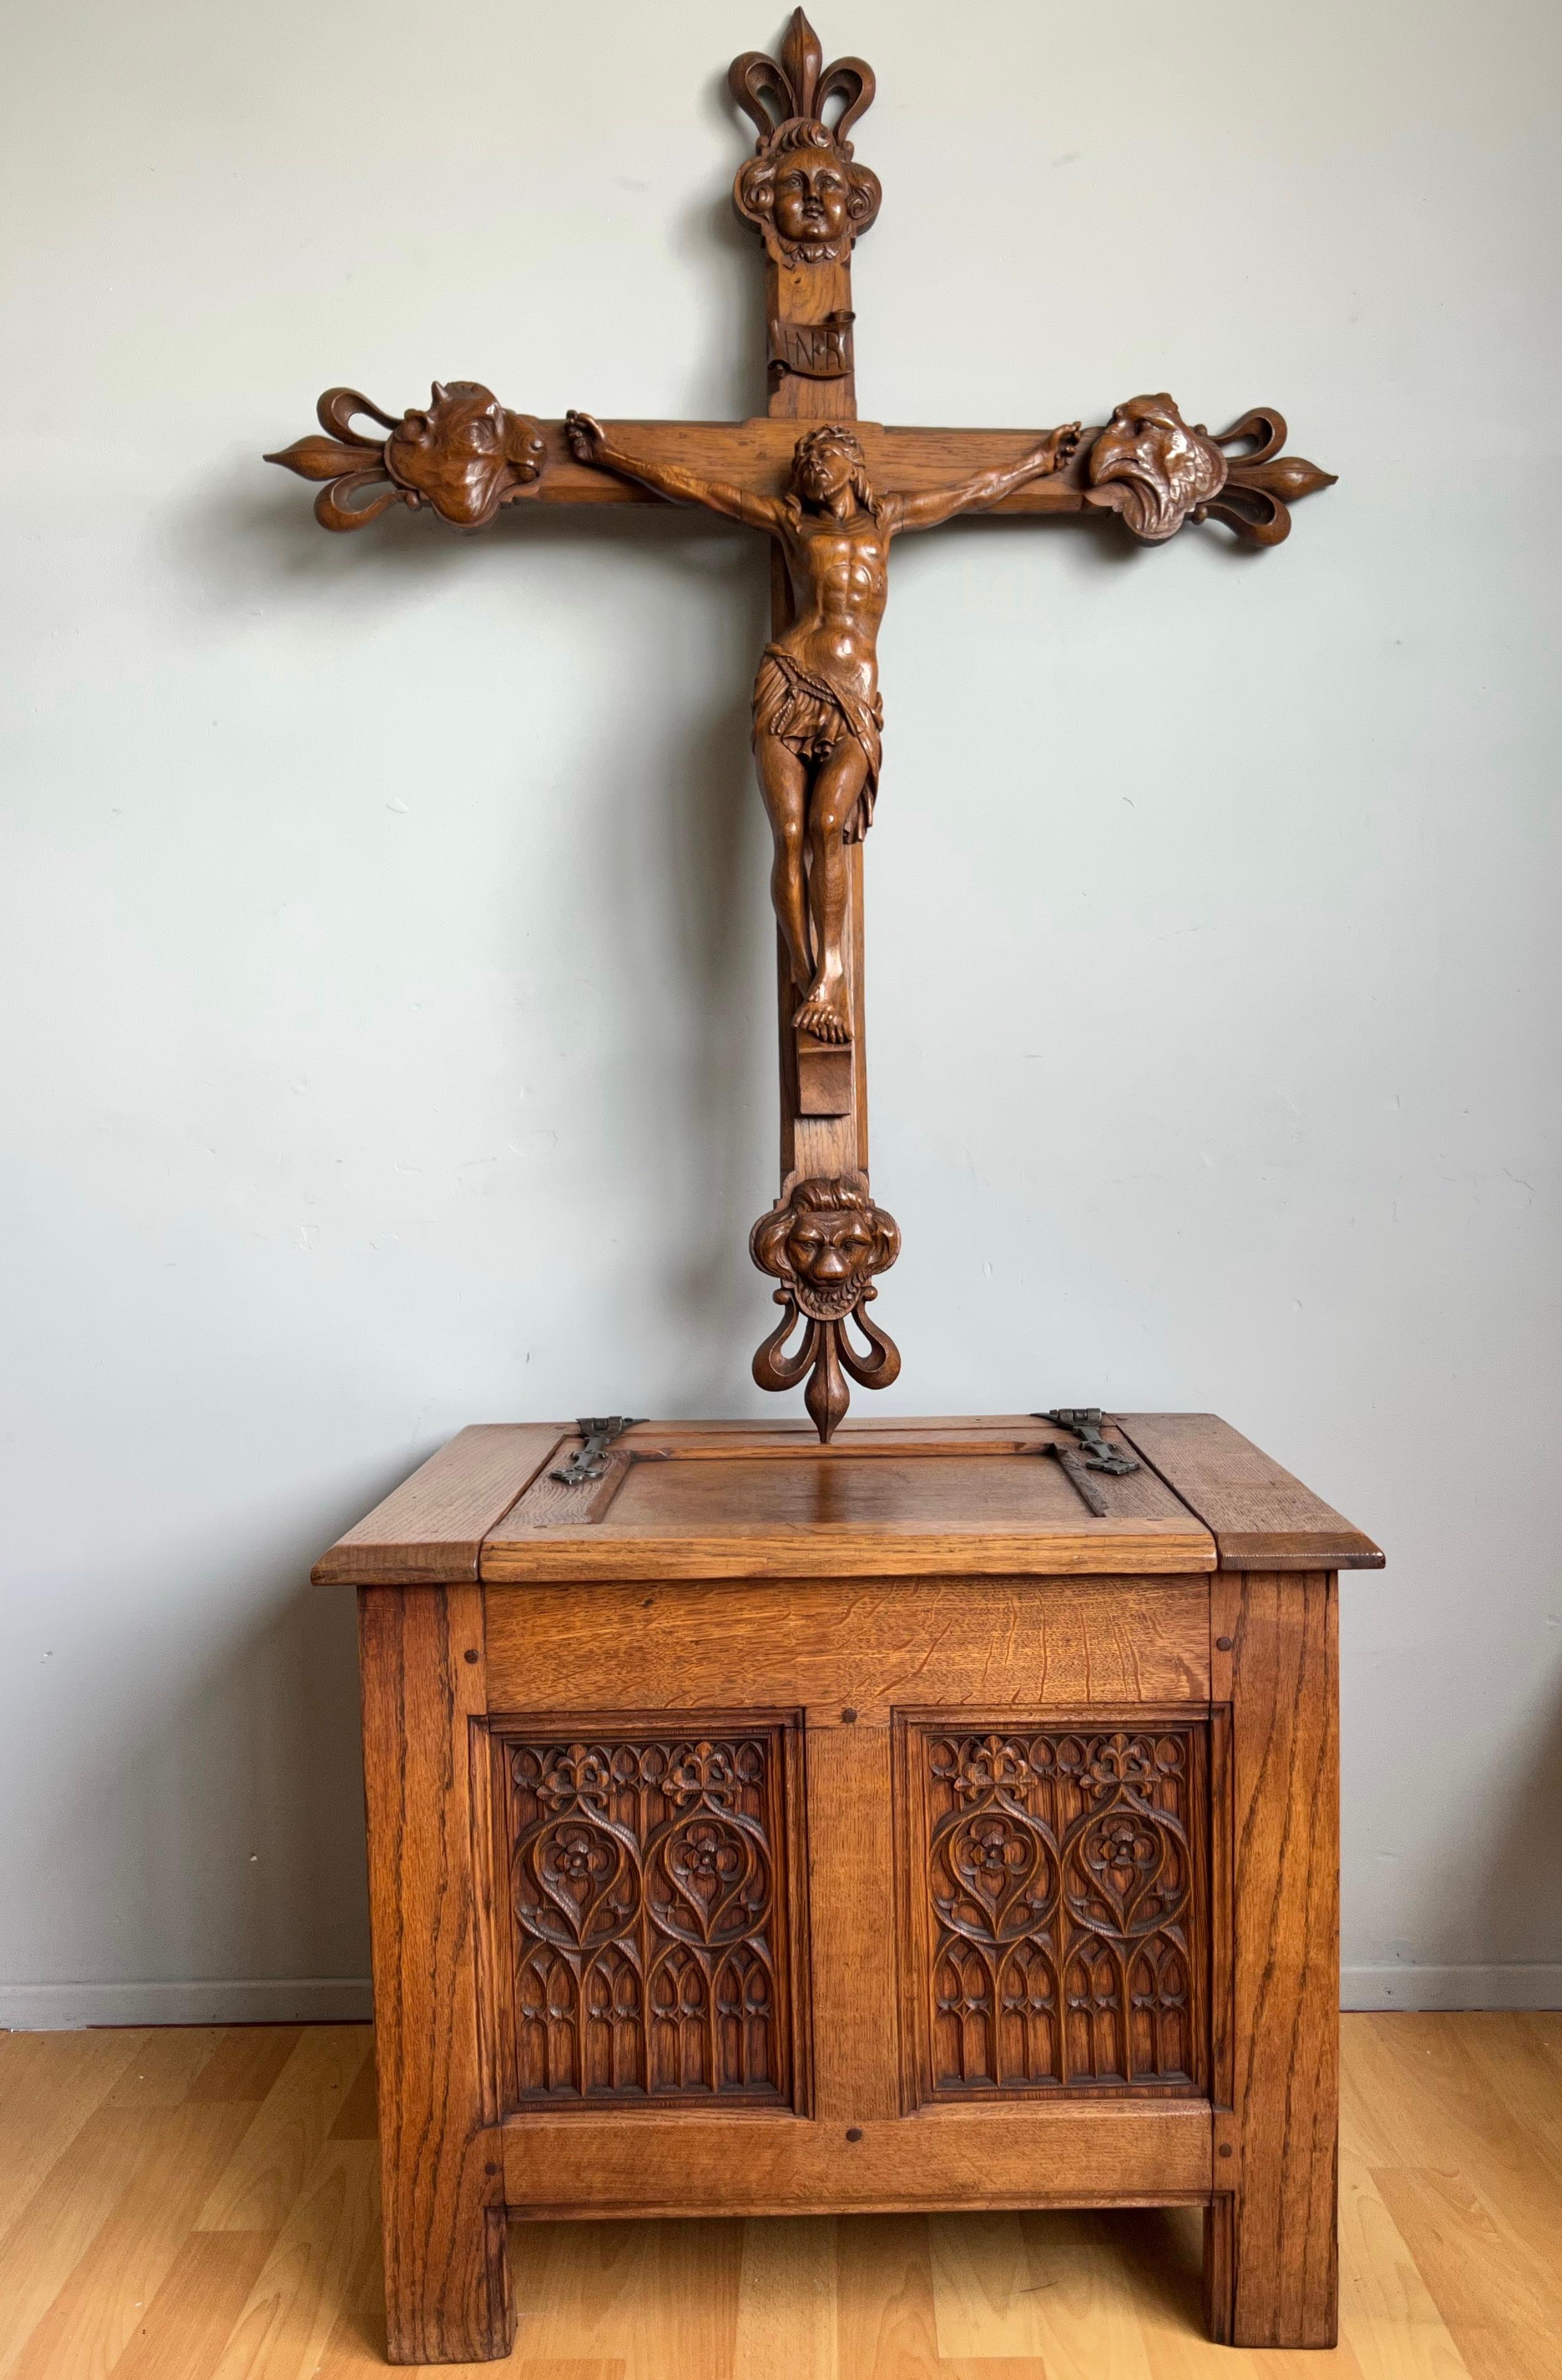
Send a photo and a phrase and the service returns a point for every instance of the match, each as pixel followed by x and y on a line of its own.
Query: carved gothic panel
pixel 1059 1908
pixel 651 1882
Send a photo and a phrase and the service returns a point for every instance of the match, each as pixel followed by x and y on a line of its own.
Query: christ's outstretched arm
pixel 987 488
pixel 590 444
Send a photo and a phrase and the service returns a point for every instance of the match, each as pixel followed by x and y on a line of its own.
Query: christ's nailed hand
pixel 584 434
pixel 1059 447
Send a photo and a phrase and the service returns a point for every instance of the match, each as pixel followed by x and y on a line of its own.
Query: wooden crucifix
pixel 830 494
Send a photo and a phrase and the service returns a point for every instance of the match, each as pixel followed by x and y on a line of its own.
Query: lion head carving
pixel 824 1243
pixel 1151 468
pixel 464 454
pixel 806 193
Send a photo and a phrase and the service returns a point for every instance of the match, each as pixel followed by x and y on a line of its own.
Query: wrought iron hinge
pixel 597 1436
pixel 1083 1422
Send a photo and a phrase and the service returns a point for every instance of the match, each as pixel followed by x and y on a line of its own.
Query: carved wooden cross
pixel 831 496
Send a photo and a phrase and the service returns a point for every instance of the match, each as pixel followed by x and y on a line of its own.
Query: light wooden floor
pixel 183 2203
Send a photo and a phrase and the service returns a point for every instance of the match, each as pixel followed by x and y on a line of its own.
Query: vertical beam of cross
pixel 811 367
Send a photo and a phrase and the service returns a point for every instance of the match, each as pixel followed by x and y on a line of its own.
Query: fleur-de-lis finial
pixel 799 84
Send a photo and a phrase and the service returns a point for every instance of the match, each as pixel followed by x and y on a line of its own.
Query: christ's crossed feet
pixel 825 1012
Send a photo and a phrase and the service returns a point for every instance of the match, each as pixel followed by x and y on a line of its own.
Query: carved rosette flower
pixel 1155 470
pixel 802 189
pixel 823 1241
pixel 464 455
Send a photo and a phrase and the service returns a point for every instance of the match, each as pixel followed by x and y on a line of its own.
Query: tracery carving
pixel 1063 1909
pixel 1155 471
pixel 463 455
pixel 802 189
pixel 823 1241
pixel 648 1892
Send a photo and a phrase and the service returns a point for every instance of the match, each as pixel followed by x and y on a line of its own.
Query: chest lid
pixel 711 1500
pixel 985 1495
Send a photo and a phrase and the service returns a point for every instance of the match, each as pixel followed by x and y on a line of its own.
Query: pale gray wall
pixel 389 1039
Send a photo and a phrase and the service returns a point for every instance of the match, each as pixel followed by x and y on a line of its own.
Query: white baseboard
pixel 279 1999
pixel 1521 1985
pixel 313 2000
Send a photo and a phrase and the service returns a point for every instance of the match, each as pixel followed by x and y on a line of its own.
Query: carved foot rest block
pixel 936 1820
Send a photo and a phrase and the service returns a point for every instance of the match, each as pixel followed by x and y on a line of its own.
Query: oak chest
pixel 932 1821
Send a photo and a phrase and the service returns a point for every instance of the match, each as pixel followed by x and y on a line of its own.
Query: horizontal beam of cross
pixel 758 455
pixel 466 456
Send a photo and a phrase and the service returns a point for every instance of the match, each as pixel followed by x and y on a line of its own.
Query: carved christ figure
pixel 817 717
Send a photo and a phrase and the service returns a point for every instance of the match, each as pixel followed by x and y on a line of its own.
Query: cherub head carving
pixel 464 454
pixel 802 189
pixel 1150 467
pixel 806 194
pixel 825 1245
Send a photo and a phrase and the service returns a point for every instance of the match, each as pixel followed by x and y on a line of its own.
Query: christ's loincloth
pixel 811 715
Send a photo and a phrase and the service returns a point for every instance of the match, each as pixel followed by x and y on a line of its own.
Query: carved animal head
pixel 464 454
pixel 1150 467
pixel 825 1245
pixel 806 193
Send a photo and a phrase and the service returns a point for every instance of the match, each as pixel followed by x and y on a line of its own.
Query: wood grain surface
pixel 1451 2193
pixel 1114 2152
pixel 794 1511
pixel 825 1645
pixel 757 456
pixel 1205 1496
pixel 1260 1516
pixel 1272 2265
pixel 857 2055
pixel 431 1529
pixel 447 2285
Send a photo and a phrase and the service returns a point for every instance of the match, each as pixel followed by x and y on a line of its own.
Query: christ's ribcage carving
pixel 648 1903
pixel 1063 1909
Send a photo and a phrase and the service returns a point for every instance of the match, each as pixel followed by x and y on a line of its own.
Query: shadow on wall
pixel 243 1791
pixel 238 1800
pixel 1520 1909
pixel 686 925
